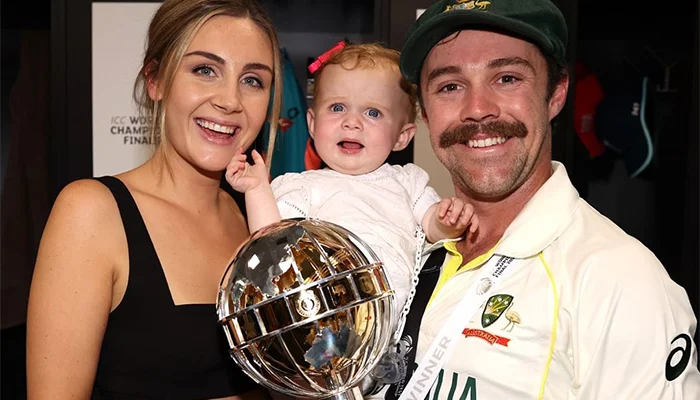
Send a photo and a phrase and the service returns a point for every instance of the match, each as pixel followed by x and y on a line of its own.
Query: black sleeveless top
pixel 153 349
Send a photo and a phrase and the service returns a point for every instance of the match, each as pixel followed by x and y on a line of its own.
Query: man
pixel 583 310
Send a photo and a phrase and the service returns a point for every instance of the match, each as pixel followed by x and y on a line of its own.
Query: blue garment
pixel 292 132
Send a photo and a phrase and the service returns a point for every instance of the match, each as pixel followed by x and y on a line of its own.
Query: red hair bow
pixel 323 58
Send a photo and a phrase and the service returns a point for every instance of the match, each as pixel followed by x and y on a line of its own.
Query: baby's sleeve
pixel 422 195
pixel 291 195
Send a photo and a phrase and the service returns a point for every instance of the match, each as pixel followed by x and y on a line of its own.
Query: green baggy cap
pixel 538 21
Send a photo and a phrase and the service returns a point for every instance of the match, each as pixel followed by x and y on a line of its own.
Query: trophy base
pixel 353 394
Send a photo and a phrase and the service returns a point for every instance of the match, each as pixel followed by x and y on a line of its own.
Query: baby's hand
pixel 244 177
pixel 454 214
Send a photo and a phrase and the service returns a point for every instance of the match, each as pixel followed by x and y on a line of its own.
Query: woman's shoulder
pixel 85 220
pixel 85 202
pixel 86 192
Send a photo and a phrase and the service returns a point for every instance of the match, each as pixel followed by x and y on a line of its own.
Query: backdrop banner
pixel 120 137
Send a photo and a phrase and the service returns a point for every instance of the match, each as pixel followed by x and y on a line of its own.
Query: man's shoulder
pixel 595 244
pixel 589 228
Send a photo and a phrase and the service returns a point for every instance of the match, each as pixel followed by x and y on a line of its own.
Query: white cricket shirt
pixel 591 314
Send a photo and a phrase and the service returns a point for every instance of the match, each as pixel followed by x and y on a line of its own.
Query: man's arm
pixel 632 333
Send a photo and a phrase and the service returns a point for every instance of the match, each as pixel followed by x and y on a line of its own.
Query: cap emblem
pixel 468 5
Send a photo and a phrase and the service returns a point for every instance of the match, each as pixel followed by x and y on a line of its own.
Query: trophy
pixel 307 309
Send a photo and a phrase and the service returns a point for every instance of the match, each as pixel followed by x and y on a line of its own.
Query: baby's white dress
pixel 382 207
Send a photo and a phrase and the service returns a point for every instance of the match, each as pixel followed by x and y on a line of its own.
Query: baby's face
pixel 357 117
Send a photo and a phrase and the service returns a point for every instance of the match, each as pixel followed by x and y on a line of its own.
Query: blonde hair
pixel 368 56
pixel 171 31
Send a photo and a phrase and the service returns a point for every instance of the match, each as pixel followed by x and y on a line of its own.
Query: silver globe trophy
pixel 307 309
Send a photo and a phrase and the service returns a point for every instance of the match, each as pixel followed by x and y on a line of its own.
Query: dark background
pixel 46 121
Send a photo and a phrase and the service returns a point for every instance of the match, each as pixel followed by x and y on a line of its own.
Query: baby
pixel 363 110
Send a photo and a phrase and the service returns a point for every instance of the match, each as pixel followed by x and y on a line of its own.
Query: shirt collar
pixel 544 217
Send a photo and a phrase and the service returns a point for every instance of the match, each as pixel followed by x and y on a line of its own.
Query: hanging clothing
pixel 25 194
pixel 292 131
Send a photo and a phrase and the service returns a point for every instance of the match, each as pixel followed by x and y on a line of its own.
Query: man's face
pixel 484 97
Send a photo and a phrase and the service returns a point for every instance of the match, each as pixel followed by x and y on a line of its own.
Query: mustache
pixel 464 133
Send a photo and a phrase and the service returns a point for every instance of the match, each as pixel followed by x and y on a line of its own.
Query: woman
pixel 122 299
